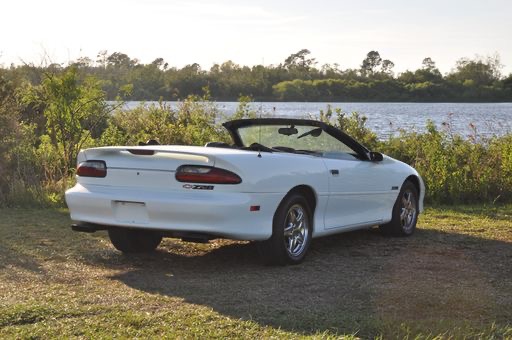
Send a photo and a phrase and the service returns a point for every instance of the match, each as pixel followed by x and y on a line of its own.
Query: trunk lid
pixel 145 166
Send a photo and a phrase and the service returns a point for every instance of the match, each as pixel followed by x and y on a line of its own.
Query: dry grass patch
pixel 451 279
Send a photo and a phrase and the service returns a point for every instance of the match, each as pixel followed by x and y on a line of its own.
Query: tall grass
pixel 455 169
pixel 33 168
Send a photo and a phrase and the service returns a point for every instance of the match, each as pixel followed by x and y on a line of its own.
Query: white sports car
pixel 281 183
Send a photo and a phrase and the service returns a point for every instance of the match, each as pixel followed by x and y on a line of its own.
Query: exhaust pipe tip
pixel 86 227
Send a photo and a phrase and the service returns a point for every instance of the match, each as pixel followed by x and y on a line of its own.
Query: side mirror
pixel 376 156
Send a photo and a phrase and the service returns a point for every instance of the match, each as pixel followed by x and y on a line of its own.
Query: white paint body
pixel 140 191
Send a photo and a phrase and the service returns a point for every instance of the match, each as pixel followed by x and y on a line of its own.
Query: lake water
pixel 387 118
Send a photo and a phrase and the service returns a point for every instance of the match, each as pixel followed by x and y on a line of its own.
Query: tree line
pixel 298 78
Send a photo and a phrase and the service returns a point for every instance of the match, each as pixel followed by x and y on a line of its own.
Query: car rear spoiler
pixel 148 150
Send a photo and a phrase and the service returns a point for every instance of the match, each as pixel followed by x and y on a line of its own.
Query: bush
pixel 193 122
pixel 456 170
pixel 37 155
pixel 353 124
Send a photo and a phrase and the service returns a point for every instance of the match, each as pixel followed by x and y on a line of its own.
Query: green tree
pixel 476 79
pixel 118 59
pixel 9 129
pixel 160 63
pixel 300 63
pixel 72 110
pixel 481 71
pixel 429 65
pixel 101 58
pixel 387 67
pixel 507 83
pixel 371 63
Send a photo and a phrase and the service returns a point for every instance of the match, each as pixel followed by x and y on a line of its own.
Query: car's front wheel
pixel 405 212
pixel 291 233
pixel 134 240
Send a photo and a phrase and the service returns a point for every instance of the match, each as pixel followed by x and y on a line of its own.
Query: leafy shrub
pixel 193 122
pixel 353 124
pixel 35 156
pixel 455 169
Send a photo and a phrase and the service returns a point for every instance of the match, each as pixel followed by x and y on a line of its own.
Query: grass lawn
pixel 452 279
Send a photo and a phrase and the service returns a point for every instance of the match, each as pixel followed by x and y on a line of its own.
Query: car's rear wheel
pixel 291 233
pixel 405 212
pixel 134 240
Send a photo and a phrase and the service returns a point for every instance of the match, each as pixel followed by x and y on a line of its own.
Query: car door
pixel 361 192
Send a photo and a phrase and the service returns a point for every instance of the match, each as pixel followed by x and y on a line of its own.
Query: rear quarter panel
pixel 278 173
pixel 275 173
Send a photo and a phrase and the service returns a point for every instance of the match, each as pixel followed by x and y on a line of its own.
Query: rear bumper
pixel 223 214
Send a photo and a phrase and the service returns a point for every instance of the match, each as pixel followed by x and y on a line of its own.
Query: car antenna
pixel 259 136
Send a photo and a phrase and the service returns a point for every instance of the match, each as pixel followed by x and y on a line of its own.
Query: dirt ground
pixel 452 278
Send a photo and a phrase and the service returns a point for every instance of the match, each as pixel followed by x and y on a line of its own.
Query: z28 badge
pixel 198 187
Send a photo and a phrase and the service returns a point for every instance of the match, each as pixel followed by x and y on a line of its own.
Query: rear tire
pixel 405 212
pixel 134 240
pixel 291 233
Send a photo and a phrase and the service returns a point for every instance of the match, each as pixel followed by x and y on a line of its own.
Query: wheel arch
pixel 416 181
pixel 420 187
pixel 309 194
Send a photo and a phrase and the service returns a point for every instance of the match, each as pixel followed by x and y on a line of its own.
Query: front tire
pixel 405 212
pixel 134 240
pixel 291 233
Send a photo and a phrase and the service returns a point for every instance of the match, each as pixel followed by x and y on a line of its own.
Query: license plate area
pixel 130 212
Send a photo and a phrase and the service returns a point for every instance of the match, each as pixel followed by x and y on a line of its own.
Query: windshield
pixel 305 138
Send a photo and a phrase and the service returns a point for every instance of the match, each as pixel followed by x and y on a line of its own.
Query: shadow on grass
pixel 23 232
pixel 31 238
pixel 359 282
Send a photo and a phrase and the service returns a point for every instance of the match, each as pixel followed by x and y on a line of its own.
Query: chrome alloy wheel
pixel 408 210
pixel 296 230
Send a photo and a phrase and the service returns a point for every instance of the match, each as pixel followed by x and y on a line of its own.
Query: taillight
pixel 92 169
pixel 206 174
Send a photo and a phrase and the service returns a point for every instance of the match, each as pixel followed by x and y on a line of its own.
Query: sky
pixel 258 31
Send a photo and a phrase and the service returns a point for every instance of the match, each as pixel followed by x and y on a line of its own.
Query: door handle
pixel 335 172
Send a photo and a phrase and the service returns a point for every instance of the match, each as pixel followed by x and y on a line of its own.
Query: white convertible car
pixel 280 183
